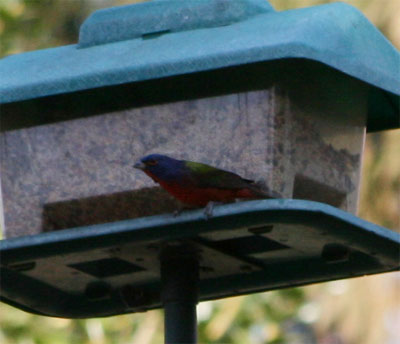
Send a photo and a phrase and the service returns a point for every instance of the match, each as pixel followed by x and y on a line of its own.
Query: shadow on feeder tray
pixel 107 208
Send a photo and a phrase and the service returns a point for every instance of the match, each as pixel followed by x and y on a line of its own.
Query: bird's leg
pixel 177 212
pixel 180 209
pixel 208 210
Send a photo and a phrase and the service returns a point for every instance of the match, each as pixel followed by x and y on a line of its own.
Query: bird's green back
pixel 207 176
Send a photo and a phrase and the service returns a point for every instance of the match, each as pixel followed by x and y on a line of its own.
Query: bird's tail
pixel 260 190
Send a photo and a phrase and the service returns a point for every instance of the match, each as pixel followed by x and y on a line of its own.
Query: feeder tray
pixel 245 247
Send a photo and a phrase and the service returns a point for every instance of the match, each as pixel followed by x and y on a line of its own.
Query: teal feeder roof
pixel 164 38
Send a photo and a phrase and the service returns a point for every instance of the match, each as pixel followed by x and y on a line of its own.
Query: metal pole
pixel 179 276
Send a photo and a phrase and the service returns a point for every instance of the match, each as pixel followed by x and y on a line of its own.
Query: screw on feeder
pixel 206 269
pixel 246 268
pixel 22 266
pixel 261 230
pixel 335 253
pixel 134 298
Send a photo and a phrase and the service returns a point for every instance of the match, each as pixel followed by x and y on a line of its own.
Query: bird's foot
pixel 208 210
pixel 179 211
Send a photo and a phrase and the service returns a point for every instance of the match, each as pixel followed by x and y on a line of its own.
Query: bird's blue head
pixel 160 166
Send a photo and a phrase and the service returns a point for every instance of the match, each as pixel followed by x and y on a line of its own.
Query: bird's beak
pixel 139 165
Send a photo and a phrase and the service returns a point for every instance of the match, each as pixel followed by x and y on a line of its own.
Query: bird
pixel 196 184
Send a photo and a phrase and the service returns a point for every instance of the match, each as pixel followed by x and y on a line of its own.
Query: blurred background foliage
pixel 357 311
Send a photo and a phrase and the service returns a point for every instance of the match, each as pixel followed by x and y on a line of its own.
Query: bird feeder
pixel 283 98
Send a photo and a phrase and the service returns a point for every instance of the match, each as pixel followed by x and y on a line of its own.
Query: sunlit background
pixel 357 311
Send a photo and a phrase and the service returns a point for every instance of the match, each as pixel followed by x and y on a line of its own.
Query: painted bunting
pixel 196 184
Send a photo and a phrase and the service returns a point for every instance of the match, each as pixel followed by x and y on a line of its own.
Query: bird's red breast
pixel 200 197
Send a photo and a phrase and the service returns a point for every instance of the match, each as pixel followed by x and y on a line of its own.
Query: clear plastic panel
pixel 300 140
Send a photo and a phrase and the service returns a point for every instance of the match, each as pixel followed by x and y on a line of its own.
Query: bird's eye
pixel 151 162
